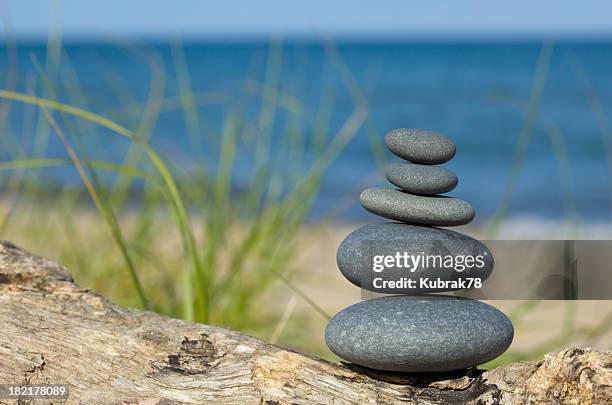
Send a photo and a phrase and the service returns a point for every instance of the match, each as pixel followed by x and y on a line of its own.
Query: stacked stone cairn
pixel 413 328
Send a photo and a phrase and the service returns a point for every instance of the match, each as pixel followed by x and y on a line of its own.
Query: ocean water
pixel 476 93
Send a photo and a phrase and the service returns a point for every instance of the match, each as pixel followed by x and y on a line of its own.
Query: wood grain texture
pixel 55 332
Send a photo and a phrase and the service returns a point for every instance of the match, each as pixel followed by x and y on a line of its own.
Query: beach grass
pixel 183 242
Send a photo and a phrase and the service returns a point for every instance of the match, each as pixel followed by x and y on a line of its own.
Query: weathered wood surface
pixel 56 332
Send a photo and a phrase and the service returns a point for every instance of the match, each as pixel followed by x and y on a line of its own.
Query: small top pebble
pixel 419 146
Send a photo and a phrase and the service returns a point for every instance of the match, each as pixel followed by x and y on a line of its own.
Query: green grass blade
pixel 45 163
pixel 537 89
pixel 111 220
pixel 168 181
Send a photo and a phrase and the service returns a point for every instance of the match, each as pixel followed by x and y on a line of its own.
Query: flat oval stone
pixel 420 146
pixel 355 257
pixel 419 334
pixel 421 179
pixel 416 209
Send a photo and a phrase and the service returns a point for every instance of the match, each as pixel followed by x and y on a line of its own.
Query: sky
pixel 80 19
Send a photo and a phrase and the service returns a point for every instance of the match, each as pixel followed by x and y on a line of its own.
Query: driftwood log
pixel 54 332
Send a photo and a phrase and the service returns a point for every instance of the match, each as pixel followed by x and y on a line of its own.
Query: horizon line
pixel 248 37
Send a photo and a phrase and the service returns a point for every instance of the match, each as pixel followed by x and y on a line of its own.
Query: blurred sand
pixel 540 327
pixel 98 266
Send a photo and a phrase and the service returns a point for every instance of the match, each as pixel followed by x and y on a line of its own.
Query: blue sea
pixel 476 93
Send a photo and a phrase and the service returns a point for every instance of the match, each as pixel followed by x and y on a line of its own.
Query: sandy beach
pixel 85 247
pixel 541 323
